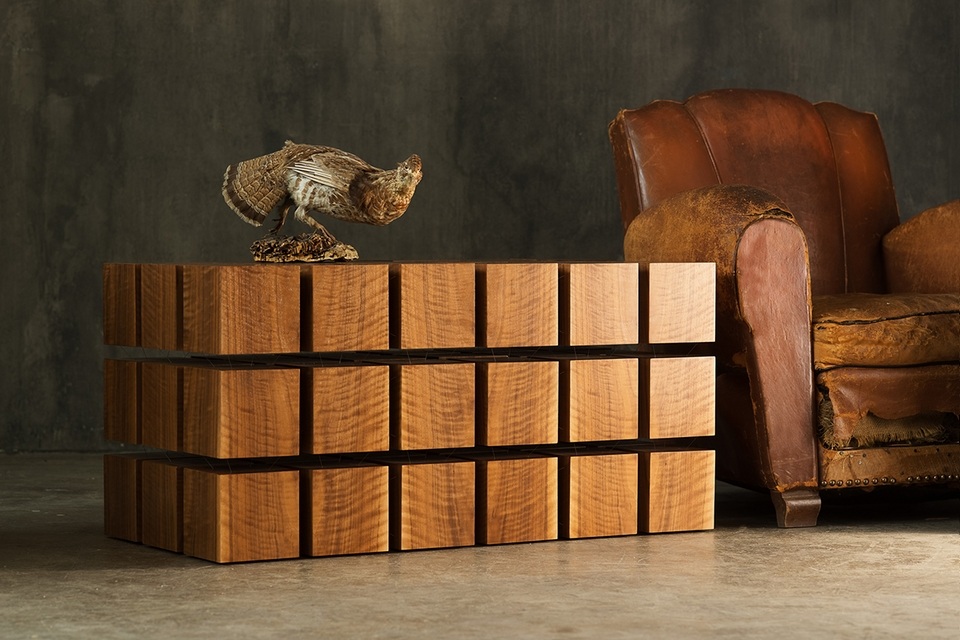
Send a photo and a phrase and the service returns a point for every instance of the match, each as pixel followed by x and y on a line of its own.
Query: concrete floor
pixel 875 570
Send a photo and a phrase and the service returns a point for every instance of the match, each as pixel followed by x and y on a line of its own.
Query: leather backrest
pixel 826 162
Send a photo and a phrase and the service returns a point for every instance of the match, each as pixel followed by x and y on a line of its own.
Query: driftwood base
pixel 305 247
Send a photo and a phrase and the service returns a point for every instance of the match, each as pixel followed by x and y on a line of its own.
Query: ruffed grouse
pixel 319 179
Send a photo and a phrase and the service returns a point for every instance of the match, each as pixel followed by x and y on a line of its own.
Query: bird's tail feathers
pixel 234 194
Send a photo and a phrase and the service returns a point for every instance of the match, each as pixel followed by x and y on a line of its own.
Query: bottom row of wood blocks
pixel 235 511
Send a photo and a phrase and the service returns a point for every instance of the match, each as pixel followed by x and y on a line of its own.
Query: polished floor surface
pixel 880 569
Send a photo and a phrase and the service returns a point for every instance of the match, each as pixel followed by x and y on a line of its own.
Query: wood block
pixel 517 499
pixel 677 491
pixel 121 306
pixel 599 303
pixel 598 495
pixel 241 413
pixel 517 305
pixel 121 496
pixel 681 302
pixel 161 500
pixel 162 405
pixel 349 408
pixel 121 401
pixel 347 307
pixel 680 397
pixel 599 399
pixel 237 309
pixel 234 515
pixel 346 509
pixel 433 305
pixel 432 505
pixel 518 402
pixel 161 289
pixel 433 406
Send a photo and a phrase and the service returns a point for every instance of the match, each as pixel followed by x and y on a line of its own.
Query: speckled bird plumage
pixel 319 179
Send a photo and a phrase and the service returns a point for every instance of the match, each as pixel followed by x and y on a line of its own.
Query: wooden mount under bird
pixel 317 179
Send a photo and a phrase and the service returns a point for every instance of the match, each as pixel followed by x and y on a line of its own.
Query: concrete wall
pixel 118 119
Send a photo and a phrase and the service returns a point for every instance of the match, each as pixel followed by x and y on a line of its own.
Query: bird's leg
pixel 302 215
pixel 282 213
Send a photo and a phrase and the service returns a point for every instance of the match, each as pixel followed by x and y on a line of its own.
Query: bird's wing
pixel 331 168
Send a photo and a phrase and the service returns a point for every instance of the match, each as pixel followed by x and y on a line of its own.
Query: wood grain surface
pixel 347 510
pixel 433 406
pixel 517 499
pixel 433 305
pixel 432 505
pixel 161 301
pixel 349 407
pixel 677 491
pixel 680 397
pixel 162 405
pixel 121 304
pixel 348 308
pixel 681 302
pixel 239 309
pixel 599 303
pixel 239 517
pixel 599 399
pixel 517 304
pixel 238 413
pixel 598 495
pixel 161 504
pixel 518 402
pixel 121 401
pixel 121 496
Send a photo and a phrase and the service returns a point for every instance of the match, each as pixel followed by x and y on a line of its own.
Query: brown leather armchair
pixel 838 329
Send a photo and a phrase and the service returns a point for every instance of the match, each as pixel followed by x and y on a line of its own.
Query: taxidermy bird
pixel 319 180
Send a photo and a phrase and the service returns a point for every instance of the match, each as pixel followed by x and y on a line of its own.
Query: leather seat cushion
pixel 869 406
pixel 885 330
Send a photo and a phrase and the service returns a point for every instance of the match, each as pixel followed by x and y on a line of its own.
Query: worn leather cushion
pixel 868 406
pixel 885 330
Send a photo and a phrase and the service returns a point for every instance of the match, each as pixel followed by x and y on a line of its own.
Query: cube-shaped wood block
pixel 433 305
pixel 677 491
pixel 518 402
pixel 241 413
pixel 121 305
pixel 432 505
pixel 599 303
pixel 348 308
pixel 161 294
pixel 347 509
pixel 599 399
pixel 161 504
pixel 517 305
pixel 238 516
pixel 241 309
pixel 517 499
pixel 121 405
pixel 350 409
pixel 121 496
pixel 433 406
pixel 682 302
pixel 161 405
pixel 598 495
pixel 680 399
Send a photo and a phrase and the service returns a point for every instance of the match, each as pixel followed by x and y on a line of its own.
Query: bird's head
pixel 410 171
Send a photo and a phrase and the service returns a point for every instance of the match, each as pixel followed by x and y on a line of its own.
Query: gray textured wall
pixel 118 119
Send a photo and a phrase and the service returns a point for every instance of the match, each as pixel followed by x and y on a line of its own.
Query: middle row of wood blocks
pixel 243 510
pixel 236 410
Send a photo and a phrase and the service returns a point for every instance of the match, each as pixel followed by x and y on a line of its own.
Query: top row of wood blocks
pixel 250 309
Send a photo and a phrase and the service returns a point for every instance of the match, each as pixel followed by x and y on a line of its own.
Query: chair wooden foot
pixel 796 507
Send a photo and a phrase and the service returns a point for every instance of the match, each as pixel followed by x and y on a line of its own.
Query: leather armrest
pixel 922 255
pixel 763 316
pixel 706 225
